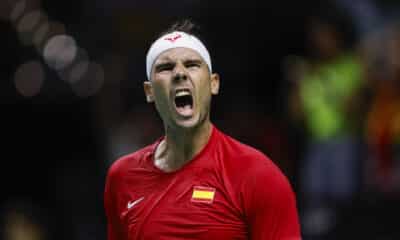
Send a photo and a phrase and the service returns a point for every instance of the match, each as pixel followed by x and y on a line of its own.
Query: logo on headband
pixel 173 38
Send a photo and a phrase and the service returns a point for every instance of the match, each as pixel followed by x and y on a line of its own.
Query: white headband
pixel 174 40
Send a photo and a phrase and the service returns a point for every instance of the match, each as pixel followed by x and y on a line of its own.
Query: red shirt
pixel 228 191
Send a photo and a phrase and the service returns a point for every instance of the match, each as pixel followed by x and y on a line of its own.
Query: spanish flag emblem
pixel 203 194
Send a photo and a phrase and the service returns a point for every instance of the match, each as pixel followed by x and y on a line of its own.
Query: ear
pixel 148 91
pixel 214 83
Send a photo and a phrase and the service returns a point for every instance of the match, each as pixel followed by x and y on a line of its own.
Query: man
pixel 196 182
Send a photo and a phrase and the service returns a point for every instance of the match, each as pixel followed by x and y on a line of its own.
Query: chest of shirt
pixel 195 205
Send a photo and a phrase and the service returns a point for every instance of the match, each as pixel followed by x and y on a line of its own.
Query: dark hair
pixel 184 25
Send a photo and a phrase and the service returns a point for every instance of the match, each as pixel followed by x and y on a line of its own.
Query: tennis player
pixel 195 182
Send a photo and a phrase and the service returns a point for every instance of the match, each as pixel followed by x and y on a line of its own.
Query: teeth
pixel 182 93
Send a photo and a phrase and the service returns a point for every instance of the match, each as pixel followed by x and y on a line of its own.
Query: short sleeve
pixel 269 204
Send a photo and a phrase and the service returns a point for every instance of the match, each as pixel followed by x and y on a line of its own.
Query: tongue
pixel 185 110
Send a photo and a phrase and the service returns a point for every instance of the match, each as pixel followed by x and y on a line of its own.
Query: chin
pixel 190 123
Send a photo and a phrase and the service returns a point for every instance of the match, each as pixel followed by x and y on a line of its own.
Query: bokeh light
pixel 29 78
pixel 91 82
pixel 40 34
pixel 29 21
pixel 27 25
pixel 77 69
pixel 60 51
pixel 18 10
pixel 46 32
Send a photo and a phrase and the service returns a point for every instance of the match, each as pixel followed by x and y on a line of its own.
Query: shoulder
pixel 246 163
pixel 255 175
pixel 133 160
pixel 261 182
pixel 244 156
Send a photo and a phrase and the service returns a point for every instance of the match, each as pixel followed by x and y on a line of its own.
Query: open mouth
pixel 184 102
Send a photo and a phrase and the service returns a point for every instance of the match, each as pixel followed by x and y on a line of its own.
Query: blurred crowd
pixel 346 97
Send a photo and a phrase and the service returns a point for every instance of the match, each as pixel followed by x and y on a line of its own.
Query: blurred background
pixel 315 85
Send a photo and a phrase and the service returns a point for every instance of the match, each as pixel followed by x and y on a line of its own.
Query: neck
pixel 181 145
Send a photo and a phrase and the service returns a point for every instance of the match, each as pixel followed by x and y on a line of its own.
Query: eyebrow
pixel 161 65
pixel 195 60
pixel 169 62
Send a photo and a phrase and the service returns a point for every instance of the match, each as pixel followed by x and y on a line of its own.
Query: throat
pixel 178 149
pixel 169 158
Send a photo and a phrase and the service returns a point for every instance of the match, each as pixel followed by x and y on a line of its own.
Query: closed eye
pixel 164 67
pixel 192 63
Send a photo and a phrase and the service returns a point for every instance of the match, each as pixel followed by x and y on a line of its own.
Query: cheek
pixel 161 96
pixel 160 90
pixel 205 93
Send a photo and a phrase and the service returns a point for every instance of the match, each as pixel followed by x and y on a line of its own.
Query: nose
pixel 180 73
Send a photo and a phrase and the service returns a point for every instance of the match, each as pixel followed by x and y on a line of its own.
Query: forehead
pixel 180 53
